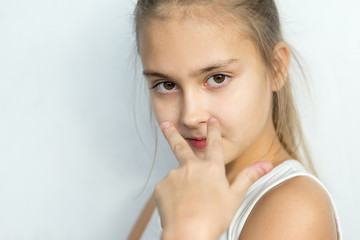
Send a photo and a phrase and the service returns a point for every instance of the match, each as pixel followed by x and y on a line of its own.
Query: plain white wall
pixel 71 162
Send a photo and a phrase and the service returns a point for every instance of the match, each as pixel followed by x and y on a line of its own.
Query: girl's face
pixel 197 70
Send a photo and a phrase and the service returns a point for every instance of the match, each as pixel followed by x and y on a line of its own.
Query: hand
pixel 195 200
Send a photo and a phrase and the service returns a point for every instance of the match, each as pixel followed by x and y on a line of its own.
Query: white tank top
pixel 284 171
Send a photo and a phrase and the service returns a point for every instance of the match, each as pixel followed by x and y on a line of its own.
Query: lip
pixel 197 143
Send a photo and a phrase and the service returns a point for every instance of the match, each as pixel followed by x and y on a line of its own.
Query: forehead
pixel 181 44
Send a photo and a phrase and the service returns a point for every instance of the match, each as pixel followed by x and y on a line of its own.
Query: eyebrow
pixel 211 67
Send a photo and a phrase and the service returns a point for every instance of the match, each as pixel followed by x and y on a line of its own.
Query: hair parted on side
pixel 261 21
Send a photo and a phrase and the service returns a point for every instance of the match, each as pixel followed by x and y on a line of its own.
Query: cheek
pixel 165 110
pixel 247 110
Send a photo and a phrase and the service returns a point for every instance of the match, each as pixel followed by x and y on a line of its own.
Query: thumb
pixel 248 176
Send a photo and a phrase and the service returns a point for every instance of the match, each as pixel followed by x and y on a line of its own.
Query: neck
pixel 266 148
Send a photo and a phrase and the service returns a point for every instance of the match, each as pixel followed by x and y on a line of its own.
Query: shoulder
pixel 299 208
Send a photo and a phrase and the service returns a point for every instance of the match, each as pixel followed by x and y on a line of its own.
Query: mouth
pixel 199 144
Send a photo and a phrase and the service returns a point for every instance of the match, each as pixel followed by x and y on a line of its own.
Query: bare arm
pixel 296 209
pixel 143 220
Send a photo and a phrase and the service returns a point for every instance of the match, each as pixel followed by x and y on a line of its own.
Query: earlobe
pixel 281 62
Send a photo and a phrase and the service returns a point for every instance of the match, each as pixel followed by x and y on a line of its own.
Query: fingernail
pixel 165 125
pixel 212 120
pixel 266 167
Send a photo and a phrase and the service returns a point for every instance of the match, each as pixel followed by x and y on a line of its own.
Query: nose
pixel 194 111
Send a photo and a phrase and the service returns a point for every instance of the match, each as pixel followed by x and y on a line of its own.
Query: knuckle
pixel 184 156
pixel 179 147
pixel 171 174
pixel 158 188
pixel 215 142
pixel 250 175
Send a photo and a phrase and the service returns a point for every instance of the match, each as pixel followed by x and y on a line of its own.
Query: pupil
pixel 219 78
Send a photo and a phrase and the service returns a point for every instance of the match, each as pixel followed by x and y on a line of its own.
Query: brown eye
pixel 219 78
pixel 168 85
pixel 165 87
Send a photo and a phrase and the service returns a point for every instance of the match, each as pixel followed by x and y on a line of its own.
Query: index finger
pixel 214 145
pixel 177 143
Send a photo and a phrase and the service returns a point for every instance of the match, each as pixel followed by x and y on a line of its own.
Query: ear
pixel 281 62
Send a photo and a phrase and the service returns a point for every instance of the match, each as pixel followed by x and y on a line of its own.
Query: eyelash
pixel 221 85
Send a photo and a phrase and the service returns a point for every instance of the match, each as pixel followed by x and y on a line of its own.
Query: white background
pixel 71 162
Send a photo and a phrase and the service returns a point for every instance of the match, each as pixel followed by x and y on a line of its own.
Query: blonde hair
pixel 262 25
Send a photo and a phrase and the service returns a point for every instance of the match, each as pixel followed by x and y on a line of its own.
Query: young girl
pixel 217 71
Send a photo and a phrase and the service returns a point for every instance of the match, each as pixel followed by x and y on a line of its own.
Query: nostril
pixel 193 111
pixel 194 119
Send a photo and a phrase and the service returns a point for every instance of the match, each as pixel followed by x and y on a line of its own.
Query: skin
pixel 197 195
pixel 242 104
pixel 181 61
